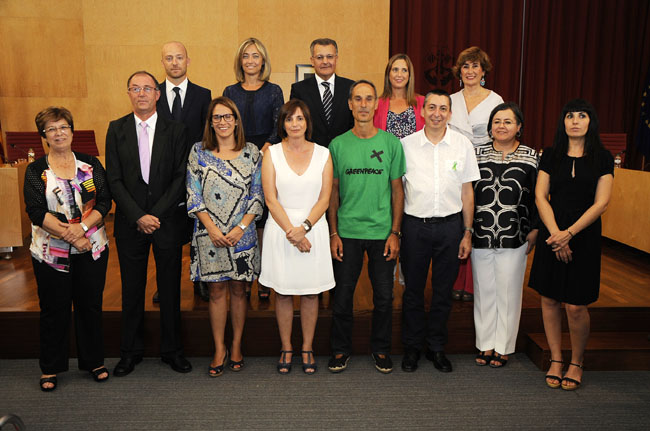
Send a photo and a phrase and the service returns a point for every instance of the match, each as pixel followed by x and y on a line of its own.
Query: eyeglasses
pixel 62 129
pixel 329 57
pixel 228 117
pixel 147 89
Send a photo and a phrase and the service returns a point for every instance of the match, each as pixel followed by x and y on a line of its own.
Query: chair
pixel 615 143
pixel 83 141
pixel 19 143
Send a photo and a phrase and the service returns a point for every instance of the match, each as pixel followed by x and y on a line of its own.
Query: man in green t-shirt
pixel 365 215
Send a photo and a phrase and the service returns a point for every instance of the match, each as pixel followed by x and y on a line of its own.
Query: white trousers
pixel 498 287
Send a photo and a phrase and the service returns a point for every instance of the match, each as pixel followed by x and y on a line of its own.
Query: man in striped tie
pixel 326 94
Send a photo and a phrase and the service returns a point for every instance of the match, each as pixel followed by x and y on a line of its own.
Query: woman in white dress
pixel 297 181
pixel 471 107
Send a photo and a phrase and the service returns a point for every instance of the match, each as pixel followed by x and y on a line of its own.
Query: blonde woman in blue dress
pixel 297 182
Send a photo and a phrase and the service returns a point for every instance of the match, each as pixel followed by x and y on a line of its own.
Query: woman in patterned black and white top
pixel 67 198
pixel 504 233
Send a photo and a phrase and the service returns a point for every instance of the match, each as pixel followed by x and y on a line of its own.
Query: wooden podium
pixel 15 226
pixel 627 218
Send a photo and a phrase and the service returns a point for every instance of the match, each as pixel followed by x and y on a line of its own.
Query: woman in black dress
pixel 574 185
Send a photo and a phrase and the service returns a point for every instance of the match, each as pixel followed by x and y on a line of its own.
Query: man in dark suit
pixel 325 94
pixel 146 157
pixel 184 101
pixel 192 105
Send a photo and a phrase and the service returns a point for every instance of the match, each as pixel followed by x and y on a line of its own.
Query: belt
pixel 431 220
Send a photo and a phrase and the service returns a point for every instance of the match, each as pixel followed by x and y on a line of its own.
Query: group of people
pixel 335 173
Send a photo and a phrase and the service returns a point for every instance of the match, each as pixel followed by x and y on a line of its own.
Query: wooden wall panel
pixel 107 41
pixel 42 57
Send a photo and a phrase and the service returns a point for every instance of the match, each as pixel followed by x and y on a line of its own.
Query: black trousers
pixel 82 287
pixel 424 244
pixel 133 252
pixel 347 274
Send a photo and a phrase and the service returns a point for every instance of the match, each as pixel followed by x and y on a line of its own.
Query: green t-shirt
pixel 365 169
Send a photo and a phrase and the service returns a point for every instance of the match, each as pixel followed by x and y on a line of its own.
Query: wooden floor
pixel 625 282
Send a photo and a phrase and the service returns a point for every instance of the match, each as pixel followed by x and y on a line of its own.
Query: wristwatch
pixel 470 229
pixel 83 226
pixel 396 232
pixel 242 226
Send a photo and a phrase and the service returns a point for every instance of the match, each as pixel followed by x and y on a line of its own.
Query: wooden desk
pixel 15 226
pixel 627 218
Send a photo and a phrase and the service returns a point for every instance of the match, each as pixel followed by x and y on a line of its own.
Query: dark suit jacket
pixel 164 196
pixel 195 109
pixel 342 121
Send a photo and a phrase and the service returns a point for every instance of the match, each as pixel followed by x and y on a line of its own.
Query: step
pixel 606 351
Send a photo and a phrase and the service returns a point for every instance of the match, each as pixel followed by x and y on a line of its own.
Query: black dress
pixel 578 281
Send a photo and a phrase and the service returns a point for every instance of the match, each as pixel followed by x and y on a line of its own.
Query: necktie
pixel 143 148
pixel 176 104
pixel 327 101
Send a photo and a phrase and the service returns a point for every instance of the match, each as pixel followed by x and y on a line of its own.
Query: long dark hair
pixel 593 144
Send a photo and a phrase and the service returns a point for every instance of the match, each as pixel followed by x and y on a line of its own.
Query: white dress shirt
pixel 435 173
pixel 151 122
pixel 169 89
pixel 321 87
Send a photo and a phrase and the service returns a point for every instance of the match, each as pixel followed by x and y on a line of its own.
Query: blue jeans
pixel 346 274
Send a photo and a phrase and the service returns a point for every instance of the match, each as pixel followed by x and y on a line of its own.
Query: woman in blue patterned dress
pixel 224 194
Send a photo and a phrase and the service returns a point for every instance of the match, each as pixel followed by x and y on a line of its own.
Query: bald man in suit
pixel 191 108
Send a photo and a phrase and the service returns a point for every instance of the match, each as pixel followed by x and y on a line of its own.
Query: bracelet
pixel 84 227
pixel 570 233
pixel 333 233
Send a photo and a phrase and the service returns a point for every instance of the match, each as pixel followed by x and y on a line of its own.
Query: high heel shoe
pixel 576 383
pixel 554 385
pixel 283 366
pixel 309 367
pixel 218 370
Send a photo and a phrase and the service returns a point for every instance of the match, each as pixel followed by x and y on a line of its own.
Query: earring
pixel 461 82
pixel 518 134
pixel 483 81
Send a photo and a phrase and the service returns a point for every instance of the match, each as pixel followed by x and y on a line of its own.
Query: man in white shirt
pixel 437 227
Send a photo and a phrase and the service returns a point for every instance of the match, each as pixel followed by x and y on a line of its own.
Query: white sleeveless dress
pixel 284 267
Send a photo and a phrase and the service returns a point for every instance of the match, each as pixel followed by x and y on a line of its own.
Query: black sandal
pixel 283 366
pixel 263 292
pixel 218 370
pixel 576 383
pixel 48 380
pixel 498 358
pixel 482 356
pixel 309 367
pixel 557 378
pixel 98 372
pixel 236 365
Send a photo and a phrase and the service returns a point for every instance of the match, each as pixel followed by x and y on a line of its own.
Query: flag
pixel 643 135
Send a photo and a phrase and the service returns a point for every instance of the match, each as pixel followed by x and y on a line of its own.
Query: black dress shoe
pixel 440 361
pixel 410 361
pixel 126 365
pixel 178 363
